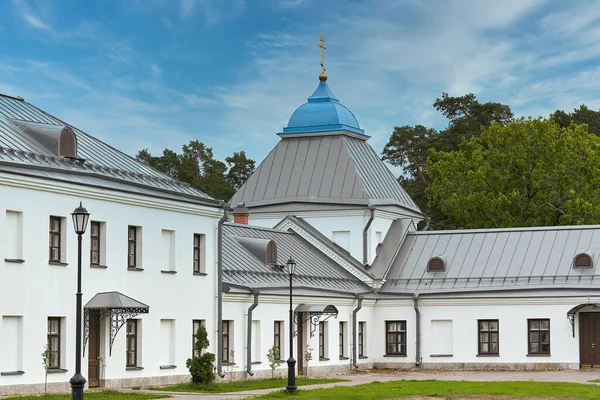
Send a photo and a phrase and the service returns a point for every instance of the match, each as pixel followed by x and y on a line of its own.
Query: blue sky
pixel 158 73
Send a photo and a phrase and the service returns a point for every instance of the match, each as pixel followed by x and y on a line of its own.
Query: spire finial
pixel 323 75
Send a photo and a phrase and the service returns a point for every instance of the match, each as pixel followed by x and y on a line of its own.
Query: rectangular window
pixel 168 250
pixel 55 239
pixel 277 337
pixel 195 326
pixel 167 336
pixel 323 340
pixel 54 342
pixel 395 338
pixel 13 239
pixel 11 344
pixel 225 341
pixel 95 243
pixel 361 338
pixel 132 343
pixel 342 339
pixel 539 336
pixel 199 244
pixel 134 247
pixel 488 336
pixel 441 337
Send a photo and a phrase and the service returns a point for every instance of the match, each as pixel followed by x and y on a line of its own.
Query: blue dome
pixel 322 113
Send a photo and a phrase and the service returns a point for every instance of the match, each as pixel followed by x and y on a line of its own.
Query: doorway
pixel 300 343
pixel 94 349
pixel 589 340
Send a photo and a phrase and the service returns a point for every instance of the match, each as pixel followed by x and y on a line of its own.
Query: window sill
pixel 14 260
pixel 488 355
pixel 395 355
pixel 228 364
pixel 9 373
pixel 168 366
pixel 441 355
pixel 323 359
pixel 539 355
pixel 134 368
pixel 167 272
pixel 256 362
pixel 362 357
pixel 344 358
pixel 98 266
pixel 58 263
pixel 200 273
pixel 56 370
pixel 134 269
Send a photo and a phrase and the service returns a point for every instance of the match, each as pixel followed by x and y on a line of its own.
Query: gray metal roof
pixel 21 148
pixel 334 169
pixel 479 259
pixel 113 300
pixel 314 269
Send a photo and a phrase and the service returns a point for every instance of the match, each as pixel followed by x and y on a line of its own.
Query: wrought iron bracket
pixel 117 317
pixel 315 319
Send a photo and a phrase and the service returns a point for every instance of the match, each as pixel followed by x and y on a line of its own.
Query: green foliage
pixel 201 366
pixel 238 386
pixel 447 389
pixel 408 146
pixel 527 173
pixel 579 116
pixel 197 166
pixel 273 355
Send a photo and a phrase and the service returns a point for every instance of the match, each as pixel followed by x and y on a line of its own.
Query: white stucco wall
pixel 37 290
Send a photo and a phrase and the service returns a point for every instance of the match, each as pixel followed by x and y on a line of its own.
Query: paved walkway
pixel 359 378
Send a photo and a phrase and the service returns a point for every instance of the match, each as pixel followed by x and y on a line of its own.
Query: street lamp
pixel 80 220
pixel 291 386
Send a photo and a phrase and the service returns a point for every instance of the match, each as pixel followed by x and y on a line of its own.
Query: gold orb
pixel 323 77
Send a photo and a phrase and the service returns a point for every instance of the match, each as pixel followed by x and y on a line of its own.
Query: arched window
pixel 582 260
pixel 436 264
pixel 272 253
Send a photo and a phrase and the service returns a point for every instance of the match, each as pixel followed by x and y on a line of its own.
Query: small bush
pixel 201 366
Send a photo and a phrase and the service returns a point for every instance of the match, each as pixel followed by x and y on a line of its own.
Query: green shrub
pixel 201 366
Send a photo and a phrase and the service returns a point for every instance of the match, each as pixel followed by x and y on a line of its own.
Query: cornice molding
pixel 87 192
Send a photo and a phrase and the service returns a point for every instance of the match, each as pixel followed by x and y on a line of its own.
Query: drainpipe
pixel 354 332
pixel 220 291
pixel 365 257
pixel 249 337
pixel 418 329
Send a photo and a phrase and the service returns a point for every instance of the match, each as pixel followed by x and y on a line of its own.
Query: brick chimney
pixel 240 213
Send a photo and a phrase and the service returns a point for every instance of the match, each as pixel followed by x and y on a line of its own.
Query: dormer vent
pixel 583 260
pixel 67 143
pixel 436 264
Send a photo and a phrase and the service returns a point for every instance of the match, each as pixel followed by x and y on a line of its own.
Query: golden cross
pixel 323 47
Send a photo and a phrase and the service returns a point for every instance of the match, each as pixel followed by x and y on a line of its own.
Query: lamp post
pixel 80 220
pixel 291 386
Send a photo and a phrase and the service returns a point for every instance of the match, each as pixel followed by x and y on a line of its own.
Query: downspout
pixel 354 332
pixel 249 337
pixel 365 231
pixel 220 291
pixel 418 329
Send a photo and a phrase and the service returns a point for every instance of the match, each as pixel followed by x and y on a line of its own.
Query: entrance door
pixel 300 344
pixel 589 340
pixel 94 351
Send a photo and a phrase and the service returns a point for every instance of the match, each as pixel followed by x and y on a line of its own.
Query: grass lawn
pixel 106 395
pixel 445 390
pixel 238 386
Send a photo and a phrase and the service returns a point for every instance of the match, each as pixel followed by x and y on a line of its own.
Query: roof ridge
pixel 11 96
pixel 514 229
pixel 256 227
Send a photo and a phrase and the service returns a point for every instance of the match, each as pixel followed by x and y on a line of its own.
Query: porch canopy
pixel 113 305
pixel 571 313
pixel 314 313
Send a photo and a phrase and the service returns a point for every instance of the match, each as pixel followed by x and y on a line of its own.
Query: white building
pixel 369 288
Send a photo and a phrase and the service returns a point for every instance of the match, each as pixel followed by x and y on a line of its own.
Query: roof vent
pixel 436 264
pixel 583 260
pixel 67 143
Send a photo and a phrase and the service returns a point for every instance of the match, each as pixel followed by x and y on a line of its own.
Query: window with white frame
pixel 97 244
pixel 323 340
pixel 133 348
pixel 362 339
pixel 57 240
pixel 199 254
pixel 227 341
pixel 343 339
pixel 278 335
pixel 195 326
pixel 134 247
